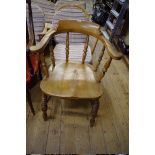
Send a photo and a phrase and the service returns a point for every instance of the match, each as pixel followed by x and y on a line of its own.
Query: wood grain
pixel 67 142
pixel 85 49
pixel 104 70
pixel 93 49
pixel 84 27
pixel 75 118
pixel 72 80
pixel 67 46
pixel 54 133
pixel 36 128
pixel 100 58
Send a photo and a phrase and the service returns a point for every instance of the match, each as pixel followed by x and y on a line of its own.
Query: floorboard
pixel 37 129
pixel 53 140
pixel 67 142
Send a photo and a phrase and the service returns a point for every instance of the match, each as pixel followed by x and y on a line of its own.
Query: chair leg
pixel 28 96
pixel 95 107
pixel 44 106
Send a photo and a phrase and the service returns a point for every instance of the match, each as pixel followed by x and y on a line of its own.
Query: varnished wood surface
pixel 68 129
pixel 56 84
pixel 84 27
pixel 67 46
pixel 72 80
pixel 85 49
pixel 46 28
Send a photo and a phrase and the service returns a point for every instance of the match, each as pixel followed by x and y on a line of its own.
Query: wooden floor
pixel 68 131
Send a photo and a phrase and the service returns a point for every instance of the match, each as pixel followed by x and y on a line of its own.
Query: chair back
pixel 89 29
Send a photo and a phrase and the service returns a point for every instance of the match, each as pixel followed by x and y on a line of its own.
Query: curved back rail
pixel 84 27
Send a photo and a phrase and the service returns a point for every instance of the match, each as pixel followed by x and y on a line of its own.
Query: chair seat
pixel 72 80
pixel 75 52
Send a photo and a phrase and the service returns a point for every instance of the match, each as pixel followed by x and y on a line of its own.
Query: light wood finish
pixel 55 129
pixel 95 107
pixel 39 47
pixel 92 52
pixel 85 49
pixel 67 46
pixel 74 6
pixel 47 27
pixel 69 131
pixel 72 80
pixel 84 27
pixel 104 70
pixel 100 58
pixel 126 60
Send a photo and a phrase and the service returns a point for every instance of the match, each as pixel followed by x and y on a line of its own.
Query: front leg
pixel 44 106
pixel 95 107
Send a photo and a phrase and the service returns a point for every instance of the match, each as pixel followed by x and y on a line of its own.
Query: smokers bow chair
pixel 74 79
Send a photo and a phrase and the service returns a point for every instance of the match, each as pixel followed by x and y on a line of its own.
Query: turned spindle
pixel 92 52
pixel 104 70
pixel 100 58
pixel 85 49
pixel 67 47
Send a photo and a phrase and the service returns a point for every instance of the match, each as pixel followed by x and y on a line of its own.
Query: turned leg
pixel 44 106
pixel 95 107
pixel 28 96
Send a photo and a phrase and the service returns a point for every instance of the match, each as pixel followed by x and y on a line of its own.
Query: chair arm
pixel 47 27
pixel 112 51
pixel 39 47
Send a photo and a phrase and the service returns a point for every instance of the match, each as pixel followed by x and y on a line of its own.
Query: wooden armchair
pixel 74 80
